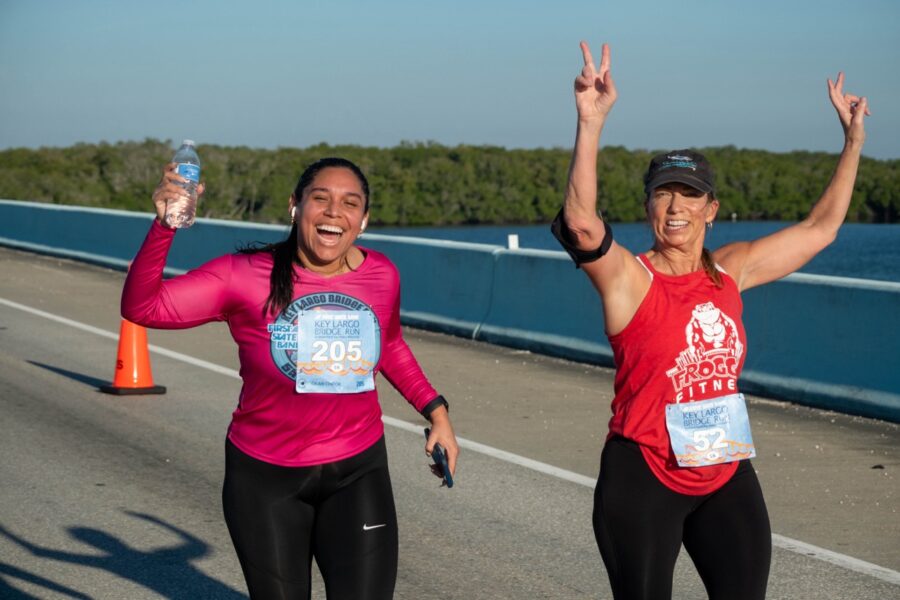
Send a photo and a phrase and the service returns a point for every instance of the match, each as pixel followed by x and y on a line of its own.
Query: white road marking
pixel 779 541
pixel 501 454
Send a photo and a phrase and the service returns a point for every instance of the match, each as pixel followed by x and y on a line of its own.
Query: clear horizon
pixel 499 73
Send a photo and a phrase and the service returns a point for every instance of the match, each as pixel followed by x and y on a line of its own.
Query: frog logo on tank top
pixel 283 333
pixel 710 362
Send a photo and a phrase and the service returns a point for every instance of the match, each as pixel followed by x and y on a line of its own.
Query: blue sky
pixel 276 73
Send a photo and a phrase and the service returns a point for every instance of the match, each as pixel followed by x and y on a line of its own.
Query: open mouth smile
pixel 329 234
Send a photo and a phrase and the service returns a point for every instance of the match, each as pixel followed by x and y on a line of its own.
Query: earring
pixel 709 225
pixel 362 227
pixel 293 214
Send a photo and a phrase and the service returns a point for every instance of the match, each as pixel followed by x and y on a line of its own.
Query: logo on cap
pixel 679 162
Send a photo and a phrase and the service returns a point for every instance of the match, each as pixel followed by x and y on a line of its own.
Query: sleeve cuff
pixel 158 226
pixel 429 408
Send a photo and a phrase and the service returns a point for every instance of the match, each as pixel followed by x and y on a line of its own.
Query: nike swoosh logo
pixel 369 528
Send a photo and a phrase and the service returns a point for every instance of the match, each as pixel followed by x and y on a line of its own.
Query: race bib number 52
pixel 710 432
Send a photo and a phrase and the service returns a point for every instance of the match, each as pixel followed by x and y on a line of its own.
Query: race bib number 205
pixel 336 351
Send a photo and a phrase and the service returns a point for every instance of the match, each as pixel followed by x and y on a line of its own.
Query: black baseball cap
pixel 682 166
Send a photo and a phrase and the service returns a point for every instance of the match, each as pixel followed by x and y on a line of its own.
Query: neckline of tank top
pixel 684 278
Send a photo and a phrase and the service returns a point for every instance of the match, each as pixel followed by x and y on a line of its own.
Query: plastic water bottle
pixel 180 213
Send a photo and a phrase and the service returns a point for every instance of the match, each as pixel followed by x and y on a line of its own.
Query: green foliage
pixel 431 184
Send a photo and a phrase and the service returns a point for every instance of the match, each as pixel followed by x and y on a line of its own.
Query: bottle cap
pixel 187 142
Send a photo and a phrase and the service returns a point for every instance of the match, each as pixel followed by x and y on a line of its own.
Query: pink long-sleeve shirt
pixel 272 422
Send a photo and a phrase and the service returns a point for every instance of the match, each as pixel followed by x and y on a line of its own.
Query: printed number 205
pixel 702 439
pixel 336 350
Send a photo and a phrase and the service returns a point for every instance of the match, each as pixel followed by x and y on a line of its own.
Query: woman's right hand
pixel 170 188
pixel 595 92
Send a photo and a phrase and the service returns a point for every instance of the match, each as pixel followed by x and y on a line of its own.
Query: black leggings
pixel 341 513
pixel 640 525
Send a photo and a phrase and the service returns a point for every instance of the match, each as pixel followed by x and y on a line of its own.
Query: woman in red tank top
pixel 675 469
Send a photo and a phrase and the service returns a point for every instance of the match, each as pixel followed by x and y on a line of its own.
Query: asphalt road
pixel 119 497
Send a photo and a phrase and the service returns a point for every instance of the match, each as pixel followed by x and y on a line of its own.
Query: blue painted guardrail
pixel 830 342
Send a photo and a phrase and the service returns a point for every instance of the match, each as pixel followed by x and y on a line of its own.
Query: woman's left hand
pixel 851 110
pixel 442 433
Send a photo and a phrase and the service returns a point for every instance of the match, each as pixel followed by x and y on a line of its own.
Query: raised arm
pixel 783 252
pixel 595 94
pixel 197 297
pixel 618 277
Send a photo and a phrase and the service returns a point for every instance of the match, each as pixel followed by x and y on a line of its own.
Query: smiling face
pixel 678 215
pixel 330 216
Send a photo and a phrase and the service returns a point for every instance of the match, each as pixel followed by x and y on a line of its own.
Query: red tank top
pixel 685 343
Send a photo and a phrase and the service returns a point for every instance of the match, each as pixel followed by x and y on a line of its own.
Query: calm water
pixel 861 250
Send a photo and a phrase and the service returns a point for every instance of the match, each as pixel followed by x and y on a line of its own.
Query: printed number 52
pixel 702 439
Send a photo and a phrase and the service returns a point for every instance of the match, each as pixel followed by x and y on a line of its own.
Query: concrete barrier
pixel 112 237
pixel 542 303
pixel 444 286
pixel 830 342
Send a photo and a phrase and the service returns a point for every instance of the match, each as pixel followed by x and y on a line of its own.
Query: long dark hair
pixel 709 265
pixel 284 253
pixel 706 259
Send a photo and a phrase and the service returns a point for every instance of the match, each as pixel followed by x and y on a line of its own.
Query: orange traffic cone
pixel 133 374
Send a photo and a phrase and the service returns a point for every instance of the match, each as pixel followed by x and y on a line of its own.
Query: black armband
pixel 429 408
pixel 563 234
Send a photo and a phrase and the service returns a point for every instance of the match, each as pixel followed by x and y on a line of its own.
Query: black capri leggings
pixel 640 525
pixel 341 513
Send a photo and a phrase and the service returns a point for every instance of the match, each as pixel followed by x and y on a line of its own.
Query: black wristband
pixel 429 408
pixel 563 235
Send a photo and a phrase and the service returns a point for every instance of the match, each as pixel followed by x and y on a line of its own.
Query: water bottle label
pixel 189 171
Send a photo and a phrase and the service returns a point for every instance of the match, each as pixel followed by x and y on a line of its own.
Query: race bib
pixel 710 432
pixel 336 351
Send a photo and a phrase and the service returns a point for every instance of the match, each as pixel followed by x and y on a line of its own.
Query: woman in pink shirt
pixel 315 318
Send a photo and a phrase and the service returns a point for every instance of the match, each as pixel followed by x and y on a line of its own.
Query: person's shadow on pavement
pixel 167 571
pixel 8 592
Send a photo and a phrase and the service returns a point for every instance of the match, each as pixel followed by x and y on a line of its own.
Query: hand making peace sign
pixel 851 110
pixel 595 92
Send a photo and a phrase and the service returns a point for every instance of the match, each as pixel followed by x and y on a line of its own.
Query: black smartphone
pixel 440 460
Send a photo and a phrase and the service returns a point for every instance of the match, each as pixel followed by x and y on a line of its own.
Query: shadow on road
pixel 91 381
pixel 10 593
pixel 167 571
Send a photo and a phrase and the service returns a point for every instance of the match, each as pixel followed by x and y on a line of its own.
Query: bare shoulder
pixel 622 282
pixel 616 267
pixel 732 257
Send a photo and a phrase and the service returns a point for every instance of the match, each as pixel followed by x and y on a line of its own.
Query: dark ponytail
pixel 709 265
pixel 284 253
pixel 706 259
